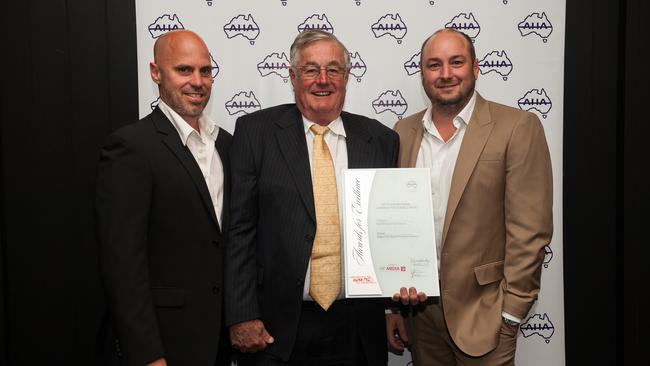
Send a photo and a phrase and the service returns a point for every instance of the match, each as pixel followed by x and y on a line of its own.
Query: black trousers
pixel 325 338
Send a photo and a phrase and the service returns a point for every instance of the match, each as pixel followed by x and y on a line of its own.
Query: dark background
pixel 69 77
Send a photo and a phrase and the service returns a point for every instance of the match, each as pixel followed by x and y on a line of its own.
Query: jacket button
pixel 216 290
pixel 215 243
pixel 309 237
pixel 300 283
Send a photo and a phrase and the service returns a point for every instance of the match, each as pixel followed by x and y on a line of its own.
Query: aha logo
pixel 537 100
pixel 465 23
pixel 244 26
pixel 163 24
pixel 548 255
pixel 540 325
pixel 275 63
pixel 536 23
pixel 390 24
pixel 316 22
pixel 496 61
pixel 357 66
pixel 154 104
pixel 412 65
pixel 215 67
pixel 243 102
pixel 391 101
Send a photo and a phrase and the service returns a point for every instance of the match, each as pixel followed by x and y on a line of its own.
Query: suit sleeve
pixel 528 213
pixel 123 195
pixel 241 301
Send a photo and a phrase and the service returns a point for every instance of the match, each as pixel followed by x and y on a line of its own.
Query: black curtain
pixel 69 77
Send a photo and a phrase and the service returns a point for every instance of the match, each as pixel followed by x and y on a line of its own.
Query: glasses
pixel 313 71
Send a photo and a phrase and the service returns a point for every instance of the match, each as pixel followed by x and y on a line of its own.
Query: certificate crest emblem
pixel 411 185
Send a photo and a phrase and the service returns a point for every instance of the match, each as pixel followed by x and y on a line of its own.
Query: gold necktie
pixel 325 277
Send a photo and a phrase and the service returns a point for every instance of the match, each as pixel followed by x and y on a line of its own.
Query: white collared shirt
pixel 202 146
pixel 335 140
pixel 440 157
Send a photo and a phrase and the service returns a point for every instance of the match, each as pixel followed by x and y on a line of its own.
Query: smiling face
pixel 183 71
pixel 448 71
pixel 320 98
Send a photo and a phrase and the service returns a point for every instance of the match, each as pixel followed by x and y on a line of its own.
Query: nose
pixel 196 79
pixel 322 77
pixel 445 71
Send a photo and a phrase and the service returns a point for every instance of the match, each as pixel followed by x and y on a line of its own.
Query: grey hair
pixel 309 36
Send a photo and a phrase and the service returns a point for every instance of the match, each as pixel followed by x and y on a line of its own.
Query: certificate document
pixel 388 238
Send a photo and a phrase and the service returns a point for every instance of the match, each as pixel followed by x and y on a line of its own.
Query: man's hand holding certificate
pixel 389 242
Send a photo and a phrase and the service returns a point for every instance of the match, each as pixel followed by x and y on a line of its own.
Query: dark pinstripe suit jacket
pixel 273 221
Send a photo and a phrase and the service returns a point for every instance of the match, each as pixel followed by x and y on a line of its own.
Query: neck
pixel 193 122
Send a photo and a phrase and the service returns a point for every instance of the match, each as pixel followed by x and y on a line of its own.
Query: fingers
pixel 409 296
pixel 395 342
pixel 250 336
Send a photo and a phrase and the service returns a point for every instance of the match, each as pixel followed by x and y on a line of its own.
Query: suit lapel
pixel 476 136
pixel 413 139
pixel 222 149
pixel 291 140
pixel 357 141
pixel 170 138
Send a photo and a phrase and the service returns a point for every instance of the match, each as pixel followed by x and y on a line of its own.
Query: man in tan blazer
pixel 492 198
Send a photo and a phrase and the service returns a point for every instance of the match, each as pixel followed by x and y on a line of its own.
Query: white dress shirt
pixel 440 157
pixel 202 146
pixel 335 140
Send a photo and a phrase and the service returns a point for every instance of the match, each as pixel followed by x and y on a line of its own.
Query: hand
pixel 396 333
pixel 410 296
pixel 249 336
pixel 159 362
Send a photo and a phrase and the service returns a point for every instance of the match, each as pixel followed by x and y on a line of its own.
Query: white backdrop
pixel 520 45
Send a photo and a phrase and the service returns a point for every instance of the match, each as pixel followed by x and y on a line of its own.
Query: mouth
pixel 197 97
pixel 322 93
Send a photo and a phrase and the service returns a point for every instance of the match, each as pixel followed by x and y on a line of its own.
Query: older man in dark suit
pixel 162 210
pixel 285 303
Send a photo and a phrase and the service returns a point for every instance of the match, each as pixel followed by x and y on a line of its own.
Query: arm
pixel 528 208
pixel 123 195
pixel 247 332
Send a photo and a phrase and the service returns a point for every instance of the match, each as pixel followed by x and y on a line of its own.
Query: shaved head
pixel 182 68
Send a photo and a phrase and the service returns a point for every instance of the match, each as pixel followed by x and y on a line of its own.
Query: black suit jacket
pixel 273 221
pixel 161 246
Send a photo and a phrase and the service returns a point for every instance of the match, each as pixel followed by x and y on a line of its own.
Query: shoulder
pixel 409 122
pixel 275 113
pixel 370 125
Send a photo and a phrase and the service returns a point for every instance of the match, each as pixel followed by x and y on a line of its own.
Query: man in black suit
pixel 162 211
pixel 270 264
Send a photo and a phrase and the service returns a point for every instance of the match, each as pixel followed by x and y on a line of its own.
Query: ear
pixel 475 69
pixel 154 70
pixel 293 77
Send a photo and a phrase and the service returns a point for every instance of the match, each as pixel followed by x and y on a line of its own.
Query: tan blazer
pixel 498 220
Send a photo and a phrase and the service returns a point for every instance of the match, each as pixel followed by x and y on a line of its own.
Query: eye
pixel 433 65
pixel 334 72
pixel 183 70
pixel 311 71
pixel 206 71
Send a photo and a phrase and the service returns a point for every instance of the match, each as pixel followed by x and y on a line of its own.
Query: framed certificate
pixel 388 238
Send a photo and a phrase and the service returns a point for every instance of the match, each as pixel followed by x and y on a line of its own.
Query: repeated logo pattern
pixel 536 100
pixel 242 25
pixel 390 25
pixel 390 101
pixel 538 24
pixel 164 24
pixel 497 62
pixel 538 325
